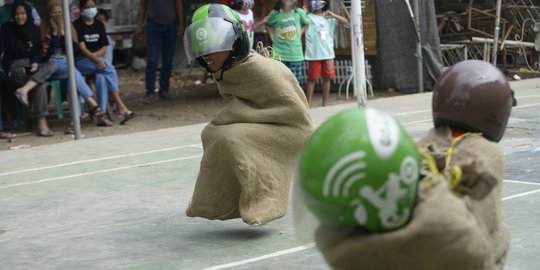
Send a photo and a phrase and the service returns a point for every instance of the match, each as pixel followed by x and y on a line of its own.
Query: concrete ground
pixel 118 202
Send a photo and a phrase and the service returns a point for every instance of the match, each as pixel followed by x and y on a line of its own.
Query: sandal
pixel 23 98
pixel 7 135
pixel 45 132
pixel 69 130
pixel 127 116
pixel 96 112
pixel 104 123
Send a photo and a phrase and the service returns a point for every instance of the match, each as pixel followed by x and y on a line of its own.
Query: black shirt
pixel 93 36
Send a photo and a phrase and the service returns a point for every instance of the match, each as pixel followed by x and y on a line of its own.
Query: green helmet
pixel 215 28
pixel 360 168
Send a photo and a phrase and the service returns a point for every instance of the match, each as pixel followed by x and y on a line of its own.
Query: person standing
pixel 243 8
pixel 164 22
pixel 320 48
pixel 286 25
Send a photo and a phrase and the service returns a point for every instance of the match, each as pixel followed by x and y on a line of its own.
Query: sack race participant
pixel 472 102
pixel 250 148
pixel 382 203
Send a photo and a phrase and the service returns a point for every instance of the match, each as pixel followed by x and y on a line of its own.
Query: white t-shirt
pixel 247 19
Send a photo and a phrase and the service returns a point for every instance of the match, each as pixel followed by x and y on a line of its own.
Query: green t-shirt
pixel 287 29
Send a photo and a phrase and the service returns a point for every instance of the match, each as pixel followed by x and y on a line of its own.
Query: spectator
pixel 52 32
pixel 6 12
pixel 243 7
pixel 287 24
pixel 20 47
pixel 320 47
pixel 93 45
pixel 164 22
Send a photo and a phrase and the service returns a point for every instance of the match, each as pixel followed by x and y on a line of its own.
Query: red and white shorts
pixel 324 68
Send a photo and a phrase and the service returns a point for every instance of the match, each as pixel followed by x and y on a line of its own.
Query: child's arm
pixel 304 28
pixel 258 24
pixel 341 19
pixel 270 31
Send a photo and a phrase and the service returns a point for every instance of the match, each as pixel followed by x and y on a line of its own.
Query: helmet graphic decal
pixel 346 169
pixel 202 34
pixel 384 133
pixel 409 170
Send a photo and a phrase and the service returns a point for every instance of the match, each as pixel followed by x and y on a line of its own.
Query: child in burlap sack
pixel 471 106
pixel 249 149
pixel 454 220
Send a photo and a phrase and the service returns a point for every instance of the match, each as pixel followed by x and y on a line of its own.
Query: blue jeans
pixel 106 79
pixel 61 73
pixel 161 37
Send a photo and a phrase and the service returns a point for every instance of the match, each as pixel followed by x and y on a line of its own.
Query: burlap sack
pixel 443 234
pixel 447 230
pixel 482 163
pixel 250 148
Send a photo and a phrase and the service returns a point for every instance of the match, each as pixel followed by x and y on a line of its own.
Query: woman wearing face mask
pixel 19 47
pixel 52 32
pixel 93 45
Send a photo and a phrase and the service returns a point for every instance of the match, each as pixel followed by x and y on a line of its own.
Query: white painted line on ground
pixel 529 96
pixel 521 194
pixel 522 182
pixel 430 119
pixel 526 106
pixel 413 112
pixel 425 111
pixel 260 258
pixel 417 122
pixel 100 159
pixel 96 172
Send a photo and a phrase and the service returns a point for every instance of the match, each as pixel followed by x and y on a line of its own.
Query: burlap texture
pixel 250 148
pixel 482 163
pixel 442 234
pixel 447 231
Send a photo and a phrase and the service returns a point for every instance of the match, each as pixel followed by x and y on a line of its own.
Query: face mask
pixel 248 4
pixel 89 13
pixel 317 4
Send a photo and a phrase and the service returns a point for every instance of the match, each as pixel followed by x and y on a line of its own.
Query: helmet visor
pixel 208 36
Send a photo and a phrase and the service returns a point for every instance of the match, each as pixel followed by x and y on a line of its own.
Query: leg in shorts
pixel 296 68
pixel 324 68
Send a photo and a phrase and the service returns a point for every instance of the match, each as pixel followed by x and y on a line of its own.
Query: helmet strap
pixel 226 65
